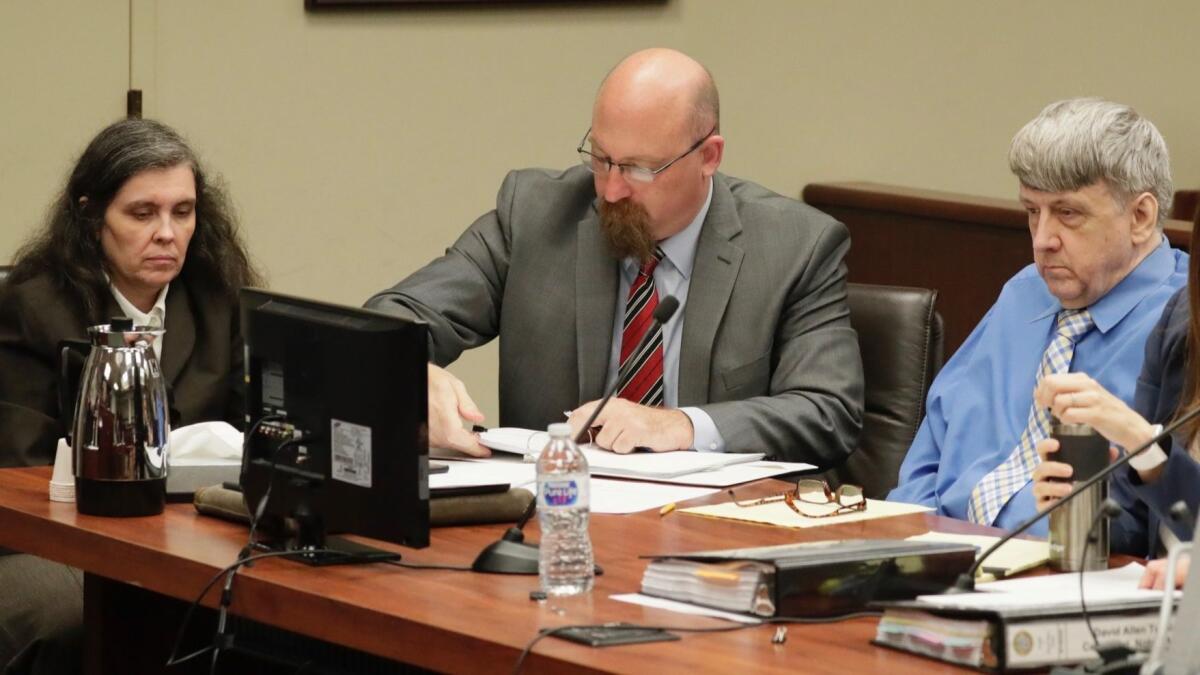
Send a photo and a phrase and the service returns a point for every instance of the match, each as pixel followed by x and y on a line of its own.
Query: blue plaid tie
pixel 996 488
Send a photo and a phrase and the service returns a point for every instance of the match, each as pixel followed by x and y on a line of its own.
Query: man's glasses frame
pixel 641 174
pixel 847 498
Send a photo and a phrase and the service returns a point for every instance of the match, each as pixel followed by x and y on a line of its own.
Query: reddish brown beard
pixel 626 227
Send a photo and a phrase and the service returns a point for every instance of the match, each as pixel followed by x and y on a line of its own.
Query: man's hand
pixel 1051 480
pixel 627 426
pixel 1155 575
pixel 449 406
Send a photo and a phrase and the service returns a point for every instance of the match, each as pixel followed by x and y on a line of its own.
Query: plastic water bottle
pixel 565 564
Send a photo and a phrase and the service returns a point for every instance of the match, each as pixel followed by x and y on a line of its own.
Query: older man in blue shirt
pixel 1095 179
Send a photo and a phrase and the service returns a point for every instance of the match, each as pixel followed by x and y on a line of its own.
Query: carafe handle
pixel 72 357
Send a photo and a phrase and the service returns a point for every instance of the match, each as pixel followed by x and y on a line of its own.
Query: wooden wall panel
pixel 964 246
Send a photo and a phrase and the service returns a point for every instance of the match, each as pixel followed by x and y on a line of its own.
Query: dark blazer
pixel 767 349
pixel 201 361
pixel 1157 398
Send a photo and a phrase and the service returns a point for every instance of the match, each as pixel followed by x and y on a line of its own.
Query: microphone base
pixel 507 557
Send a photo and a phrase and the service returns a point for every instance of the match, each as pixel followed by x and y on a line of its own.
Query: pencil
pixel 666 509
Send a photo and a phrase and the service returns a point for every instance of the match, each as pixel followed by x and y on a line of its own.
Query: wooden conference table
pixel 437 619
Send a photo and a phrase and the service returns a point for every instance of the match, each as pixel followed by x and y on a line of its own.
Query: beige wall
pixel 63 74
pixel 357 145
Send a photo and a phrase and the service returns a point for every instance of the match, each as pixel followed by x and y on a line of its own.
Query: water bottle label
pixel 560 492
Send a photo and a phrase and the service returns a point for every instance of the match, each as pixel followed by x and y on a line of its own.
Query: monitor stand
pixel 341 551
pixel 308 543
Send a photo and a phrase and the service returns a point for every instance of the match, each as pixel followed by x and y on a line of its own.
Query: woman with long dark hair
pixel 1169 385
pixel 140 225
pixel 140 230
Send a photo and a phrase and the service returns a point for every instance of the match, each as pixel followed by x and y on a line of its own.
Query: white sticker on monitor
pixel 351 453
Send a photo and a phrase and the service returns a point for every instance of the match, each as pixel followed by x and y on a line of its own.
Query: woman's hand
pixel 1075 398
pixel 1052 480
pixel 1155 575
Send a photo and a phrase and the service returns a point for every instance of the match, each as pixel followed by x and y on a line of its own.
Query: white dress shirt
pixel 156 318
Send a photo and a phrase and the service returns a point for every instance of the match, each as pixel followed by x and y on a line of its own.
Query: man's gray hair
pixel 1075 143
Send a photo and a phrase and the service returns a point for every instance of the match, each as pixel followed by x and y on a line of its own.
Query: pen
pixel 666 509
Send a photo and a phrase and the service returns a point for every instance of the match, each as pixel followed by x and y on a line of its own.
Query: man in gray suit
pixel 760 356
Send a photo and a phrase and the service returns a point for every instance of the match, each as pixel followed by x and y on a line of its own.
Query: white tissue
pixel 204 444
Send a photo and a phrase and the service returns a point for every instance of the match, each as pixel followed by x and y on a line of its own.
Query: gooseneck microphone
pixel 511 554
pixel 663 313
pixel 966 580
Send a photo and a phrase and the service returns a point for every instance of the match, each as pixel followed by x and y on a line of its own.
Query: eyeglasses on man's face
pixel 814 499
pixel 601 165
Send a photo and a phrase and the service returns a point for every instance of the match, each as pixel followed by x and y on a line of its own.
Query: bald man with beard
pixel 760 356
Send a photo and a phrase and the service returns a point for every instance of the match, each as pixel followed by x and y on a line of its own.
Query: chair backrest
pixel 900 338
pixel 4 270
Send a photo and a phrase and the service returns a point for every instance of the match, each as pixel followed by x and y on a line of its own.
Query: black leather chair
pixel 900 337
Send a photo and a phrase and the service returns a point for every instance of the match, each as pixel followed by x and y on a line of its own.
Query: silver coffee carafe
pixel 121 424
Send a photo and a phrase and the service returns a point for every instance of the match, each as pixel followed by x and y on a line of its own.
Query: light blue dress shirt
pixel 979 404
pixel 672 276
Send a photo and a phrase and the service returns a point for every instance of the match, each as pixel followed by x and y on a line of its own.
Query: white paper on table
pixel 627 496
pixel 737 474
pixel 781 515
pixel 635 465
pixel 682 607
pixel 607 496
pixel 1052 591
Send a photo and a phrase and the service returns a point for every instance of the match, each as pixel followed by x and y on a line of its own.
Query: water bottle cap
pixel 559 430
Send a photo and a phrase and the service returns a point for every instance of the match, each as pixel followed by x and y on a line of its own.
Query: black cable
pixel 1087 542
pixel 247 439
pixel 173 659
pixel 1108 509
pixel 221 638
pixel 246 442
pixel 429 566
pixel 227 597
pixel 547 632
pixel 261 507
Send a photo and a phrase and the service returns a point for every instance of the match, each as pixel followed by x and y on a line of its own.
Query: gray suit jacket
pixel 767 349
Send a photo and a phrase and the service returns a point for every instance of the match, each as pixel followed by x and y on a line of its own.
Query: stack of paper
pixel 647 465
pixel 1103 588
pixel 607 496
pixel 737 586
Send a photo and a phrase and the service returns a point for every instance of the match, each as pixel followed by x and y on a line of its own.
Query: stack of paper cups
pixel 62 482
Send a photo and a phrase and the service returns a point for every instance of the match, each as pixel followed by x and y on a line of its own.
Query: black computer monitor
pixel 336 425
